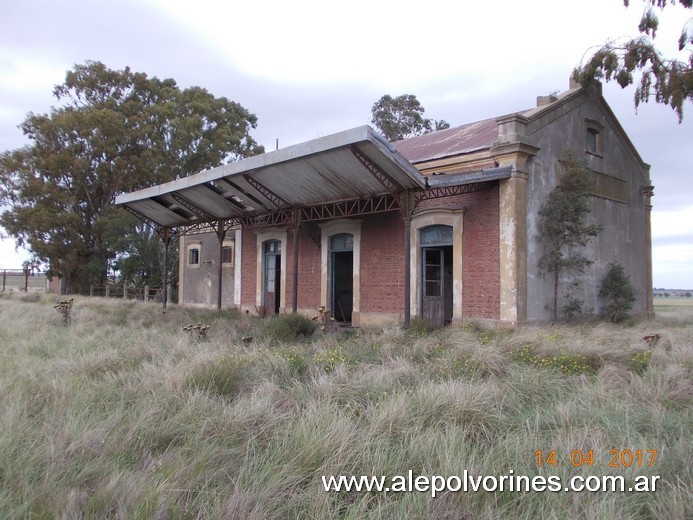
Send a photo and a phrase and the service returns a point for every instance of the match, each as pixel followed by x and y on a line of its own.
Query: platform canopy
pixel 353 165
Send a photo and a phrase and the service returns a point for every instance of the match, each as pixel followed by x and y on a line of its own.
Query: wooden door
pixel 433 304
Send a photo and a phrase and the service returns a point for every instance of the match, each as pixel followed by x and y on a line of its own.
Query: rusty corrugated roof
pixel 453 141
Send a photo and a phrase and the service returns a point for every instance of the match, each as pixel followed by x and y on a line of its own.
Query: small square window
pixel 193 256
pixel 227 253
pixel 591 140
pixel 593 137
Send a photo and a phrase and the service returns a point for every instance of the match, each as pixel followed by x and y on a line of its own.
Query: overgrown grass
pixel 124 415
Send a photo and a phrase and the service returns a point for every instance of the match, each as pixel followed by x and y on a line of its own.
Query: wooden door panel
pixel 433 307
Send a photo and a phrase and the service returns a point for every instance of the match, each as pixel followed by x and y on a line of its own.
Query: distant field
pixel 123 414
pixel 673 302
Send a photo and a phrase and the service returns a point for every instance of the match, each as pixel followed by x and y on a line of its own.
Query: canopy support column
pixel 166 238
pixel 221 233
pixel 406 217
pixel 294 292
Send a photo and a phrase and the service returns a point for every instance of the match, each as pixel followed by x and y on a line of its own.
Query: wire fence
pixel 127 292
pixel 27 281
pixel 22 280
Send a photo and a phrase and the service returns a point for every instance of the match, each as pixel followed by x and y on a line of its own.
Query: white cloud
pixel 672 266
pixel 673 222
pixel 392 43
pixel 10 258
pixel 672 252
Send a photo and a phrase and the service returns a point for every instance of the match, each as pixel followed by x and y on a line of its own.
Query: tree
pixel 114 131
pixel 670 80
pixel 618 294
pixel 402 117
pixel 562 225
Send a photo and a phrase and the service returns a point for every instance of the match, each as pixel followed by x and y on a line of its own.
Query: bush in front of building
pixel 289 327
pixel 617 293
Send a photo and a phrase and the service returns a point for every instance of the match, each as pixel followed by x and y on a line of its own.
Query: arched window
pixel 342 242
pixel 436 236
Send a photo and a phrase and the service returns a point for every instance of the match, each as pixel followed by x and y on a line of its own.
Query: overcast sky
pixel 311 68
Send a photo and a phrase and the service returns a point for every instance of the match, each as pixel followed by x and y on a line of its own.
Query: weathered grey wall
pixel 624 237
pixel 200 283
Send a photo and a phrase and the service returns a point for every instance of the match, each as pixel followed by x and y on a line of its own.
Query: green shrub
pixel 289 327
pixel 617 294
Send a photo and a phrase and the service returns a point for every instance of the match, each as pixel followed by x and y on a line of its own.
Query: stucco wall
pixel 624 237
pixel 200 283
pixel 248 269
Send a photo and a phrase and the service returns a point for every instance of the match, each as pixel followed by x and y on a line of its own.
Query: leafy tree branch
pixel 402 116
pixel 668 80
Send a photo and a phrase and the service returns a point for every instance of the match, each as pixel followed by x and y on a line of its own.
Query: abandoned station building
pixel 443 226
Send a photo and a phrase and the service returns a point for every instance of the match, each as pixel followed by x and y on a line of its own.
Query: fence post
pixel 26 280
pixel 168 293
pixel 146 293
pixel 108 290
pixel 4 277
pixel 125 291
pixel 91 289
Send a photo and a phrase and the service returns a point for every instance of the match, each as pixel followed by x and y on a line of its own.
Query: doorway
pixel 342 277
pixel 272 276
pixel 436 275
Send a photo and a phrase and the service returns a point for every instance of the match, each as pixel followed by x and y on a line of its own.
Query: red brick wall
pixel 308 268
pixel 382 263
pixel 481 255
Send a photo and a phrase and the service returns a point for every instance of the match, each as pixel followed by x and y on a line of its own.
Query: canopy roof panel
pixel 350 165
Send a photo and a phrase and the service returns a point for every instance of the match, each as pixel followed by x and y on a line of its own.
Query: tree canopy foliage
pixel 669 80
pixel 563 227
pixel 401 117
pixel 113 131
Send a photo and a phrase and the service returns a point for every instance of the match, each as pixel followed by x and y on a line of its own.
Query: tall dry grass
pixel 124 415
